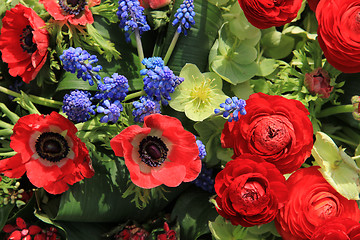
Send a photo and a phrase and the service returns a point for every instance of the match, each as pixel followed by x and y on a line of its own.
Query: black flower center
pixel 26 40
pixel 72 6
pixel 153 151
pixel 52 146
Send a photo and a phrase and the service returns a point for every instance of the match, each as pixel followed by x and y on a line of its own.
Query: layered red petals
pixel 275 128
pixel 339 229
pixel 312 200
pixel 83 18
pixel 249 191
pixel 265 14
pixel 54 175
pixel 339 33
pixel 182 163
pixel 23 42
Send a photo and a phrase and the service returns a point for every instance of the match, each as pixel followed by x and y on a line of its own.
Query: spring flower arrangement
pixel 186 119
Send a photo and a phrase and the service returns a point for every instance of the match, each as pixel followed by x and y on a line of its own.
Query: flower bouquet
pixel 186 119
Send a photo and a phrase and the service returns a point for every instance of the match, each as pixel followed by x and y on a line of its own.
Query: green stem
pixel 336 110
pixel 139 47
pixel 8 154
pixel 35 99
pixel 171 47
pixel 134 95
pixel 6 132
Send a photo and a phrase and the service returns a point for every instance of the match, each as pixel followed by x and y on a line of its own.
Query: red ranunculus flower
pixel 275 128
pixel 49 151
pixel 339 33
pixel 161 152
pixel 154 4
pixel 23 42
pixel 77 12
pixel 268 13
pixel 337 229
pixel 250 191
pixel 318 82
pixel 312 200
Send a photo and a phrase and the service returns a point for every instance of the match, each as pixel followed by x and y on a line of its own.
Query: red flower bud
pixel 318 82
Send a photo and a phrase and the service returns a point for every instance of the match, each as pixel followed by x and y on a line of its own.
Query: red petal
pixel 16 235
pixel 33 229
pixel 193 170
pixel 12 167
pixel 8 228
pixel 40 175
pixel 171 175
pixel 20 223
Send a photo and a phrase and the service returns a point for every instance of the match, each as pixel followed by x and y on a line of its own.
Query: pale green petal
pixel 191 74
pixel 325 151
pixel 216 80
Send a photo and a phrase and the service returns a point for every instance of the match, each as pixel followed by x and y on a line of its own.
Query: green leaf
pixel 223 229
pixel 194 48
pixel 193 211
pixel 242 90
pixel 277 45
pixel 99 199
pixel 84 230
pixel 267 66
pixel 4 214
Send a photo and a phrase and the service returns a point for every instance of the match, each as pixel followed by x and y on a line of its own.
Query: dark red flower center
pixel 52 146
pixel 26 40
pixel 153 151
pixel 252 191
pixel 72 6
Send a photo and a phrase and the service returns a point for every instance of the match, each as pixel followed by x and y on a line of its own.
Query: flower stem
pixel 171 47
pixel 35 99
pixel 134 95
pixel 139 47
pixel 335 110
pixel 6 125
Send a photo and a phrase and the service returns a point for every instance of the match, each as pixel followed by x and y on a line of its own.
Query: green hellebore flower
pixel 199 94
pixel 338 168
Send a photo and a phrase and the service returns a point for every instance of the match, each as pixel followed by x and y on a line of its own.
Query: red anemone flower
pixel 23 42
pixel 77 12
pixel 49 151
pixel 161 152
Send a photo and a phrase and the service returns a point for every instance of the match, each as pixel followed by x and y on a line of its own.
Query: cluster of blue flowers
pixel 205 180
pixel 144 107
pixel 232 105
pixel 184 16
pixel 159 80
pixel 131 17
pixel 78 106
pixel 80 61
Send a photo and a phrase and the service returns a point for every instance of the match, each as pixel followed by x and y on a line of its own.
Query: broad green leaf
pixel 85 230
pixel 233 72
pixel 99 199
pixel 339 170
pixel 240 26
pixel 4 214
pixel 193 211
pixel 223 229
pixel 194 48
pixel 277 45
pixel 242 90
pixel 267 66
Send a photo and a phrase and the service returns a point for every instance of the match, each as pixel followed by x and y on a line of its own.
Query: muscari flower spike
pixel 232 105
pixel 202 150
pixel 184 16
pixel 145 107
pixel 205 180
pixel 78 106
pixel 112 111
pixel 132 17
pixel 159 80
pixel 80 61
pixel 114 88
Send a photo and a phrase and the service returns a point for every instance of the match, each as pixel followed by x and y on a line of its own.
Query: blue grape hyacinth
pixel 232 108
pixel 202 150
pixel 184 16
pixel 159 80
pixel 132 17
pixel 114 88
pixel 145 107
pixel 112 111
pixel 205 180
pixel 78 106
pixel 80 61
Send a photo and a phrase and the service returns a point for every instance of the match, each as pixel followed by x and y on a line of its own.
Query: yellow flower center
pixel 201 94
